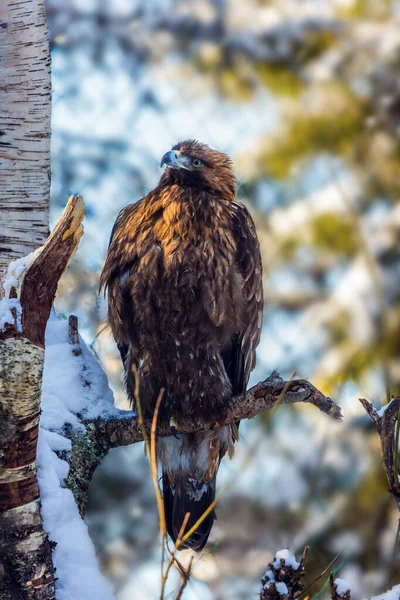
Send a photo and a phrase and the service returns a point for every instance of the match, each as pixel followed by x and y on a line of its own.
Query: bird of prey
pixel 184 280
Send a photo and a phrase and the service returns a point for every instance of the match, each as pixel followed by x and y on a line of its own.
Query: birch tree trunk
pixel 25 108
pixel 26 569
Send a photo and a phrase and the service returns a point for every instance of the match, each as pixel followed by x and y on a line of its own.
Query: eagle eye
pixel 196 162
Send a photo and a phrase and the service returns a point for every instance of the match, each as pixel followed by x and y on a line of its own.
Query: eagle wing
pixel 240 357
pixel 121 258
pixel 123 253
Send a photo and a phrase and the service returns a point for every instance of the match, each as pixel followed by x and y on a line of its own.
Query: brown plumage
pixel 184 282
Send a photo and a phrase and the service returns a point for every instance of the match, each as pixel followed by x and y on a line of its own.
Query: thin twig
pixel 185 579
pixel 98 334
pixel 172 557
pixel 154 475
pixel 152 454
pixel 396 446
pixel 320 575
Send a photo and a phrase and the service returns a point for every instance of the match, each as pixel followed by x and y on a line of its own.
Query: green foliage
pixel 359 361
pixel 335 233
pixel 280 79
pixel 310 134
pixel 234 85
pixel 383 177
pixel 368 9
pixel 316 43
pixel 339 327
pixel 382 350
pixel 288 246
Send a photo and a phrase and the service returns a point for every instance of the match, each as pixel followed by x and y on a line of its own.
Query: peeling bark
pixel 42 277
pixel 25 552
pixel 26 569
pixel 25 100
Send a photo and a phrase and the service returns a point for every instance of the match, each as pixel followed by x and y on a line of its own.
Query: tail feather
pixel 188 495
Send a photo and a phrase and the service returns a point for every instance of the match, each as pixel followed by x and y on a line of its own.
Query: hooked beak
pixel 175 159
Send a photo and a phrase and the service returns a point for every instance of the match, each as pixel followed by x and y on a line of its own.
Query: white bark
pixel 26 569
pixel 25 107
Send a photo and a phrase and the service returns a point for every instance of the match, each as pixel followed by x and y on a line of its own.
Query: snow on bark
pixel 339 588
pixel 26 568
pixel 74 385
pixel 25 100
pixel 74 557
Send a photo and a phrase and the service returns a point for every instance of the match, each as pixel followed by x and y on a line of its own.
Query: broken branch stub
pixel 385 422
pixel 26 568
pixel 40 283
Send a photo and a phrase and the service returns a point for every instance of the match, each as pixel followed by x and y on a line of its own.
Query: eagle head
pixel 191 163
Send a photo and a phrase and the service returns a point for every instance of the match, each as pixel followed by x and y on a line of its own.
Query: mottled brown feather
pixel 184 280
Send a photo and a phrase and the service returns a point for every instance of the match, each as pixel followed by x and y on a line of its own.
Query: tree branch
pixel 121 428
pixel 385 423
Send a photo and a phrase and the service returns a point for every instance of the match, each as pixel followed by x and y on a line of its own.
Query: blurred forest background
pixel 305 97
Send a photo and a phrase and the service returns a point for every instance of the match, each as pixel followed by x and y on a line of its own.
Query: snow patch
pixel 281 588
pixel 6 316
pixel 74 558
pixel 57 441
pixel 73 386
pixel 393 594
pixel 16 269
pixel 288 557
pixel 383 409
pixel 341 586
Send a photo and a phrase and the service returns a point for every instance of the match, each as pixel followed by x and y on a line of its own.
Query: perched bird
pixel 185 302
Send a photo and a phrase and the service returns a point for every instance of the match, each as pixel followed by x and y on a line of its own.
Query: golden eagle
pixel 185 302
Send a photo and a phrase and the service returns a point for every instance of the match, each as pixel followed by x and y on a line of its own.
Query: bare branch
pixel 123 428
pixel 385 423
